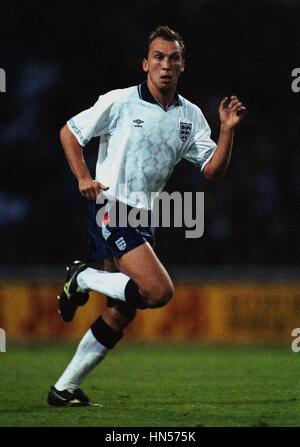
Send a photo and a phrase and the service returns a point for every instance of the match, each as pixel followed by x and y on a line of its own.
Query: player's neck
pixel 165 98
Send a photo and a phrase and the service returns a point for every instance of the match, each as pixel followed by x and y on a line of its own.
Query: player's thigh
pixel 143 266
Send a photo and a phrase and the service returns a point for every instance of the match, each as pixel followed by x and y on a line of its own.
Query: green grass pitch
pixel 181 385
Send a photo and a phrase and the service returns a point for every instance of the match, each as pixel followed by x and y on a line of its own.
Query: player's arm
pixel 88 187
pixel 229 117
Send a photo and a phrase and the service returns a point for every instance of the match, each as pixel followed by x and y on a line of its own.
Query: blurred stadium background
pixel 239 283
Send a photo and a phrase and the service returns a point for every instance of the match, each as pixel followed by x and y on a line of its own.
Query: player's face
pixel 164 64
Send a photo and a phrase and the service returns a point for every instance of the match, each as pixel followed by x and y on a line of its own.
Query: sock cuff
pixel 107 336
pixel 133 298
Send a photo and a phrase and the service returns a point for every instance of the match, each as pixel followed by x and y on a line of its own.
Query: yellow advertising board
pixel 245 312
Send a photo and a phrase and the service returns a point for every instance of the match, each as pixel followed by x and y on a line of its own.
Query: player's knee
pixel 120 316
pixel 160 296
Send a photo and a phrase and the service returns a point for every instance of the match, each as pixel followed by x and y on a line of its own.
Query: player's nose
pixel 165 64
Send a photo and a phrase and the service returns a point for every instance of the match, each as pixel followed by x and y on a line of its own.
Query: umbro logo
pixel 138 123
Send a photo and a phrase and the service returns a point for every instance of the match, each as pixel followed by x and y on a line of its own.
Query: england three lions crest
pixel 185 131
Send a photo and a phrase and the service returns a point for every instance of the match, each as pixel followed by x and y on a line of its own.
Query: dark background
pixel 60 56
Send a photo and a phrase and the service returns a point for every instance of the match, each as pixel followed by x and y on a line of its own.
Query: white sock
pixel 89 353
pixel 111 284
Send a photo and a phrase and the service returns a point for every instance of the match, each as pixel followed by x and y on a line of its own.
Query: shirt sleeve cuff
pixel 77 133
pixel 206 158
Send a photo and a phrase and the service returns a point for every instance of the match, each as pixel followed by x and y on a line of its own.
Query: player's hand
pixel 231 115
pixel 90 188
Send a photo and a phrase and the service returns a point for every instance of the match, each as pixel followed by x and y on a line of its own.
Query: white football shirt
pixel 141 142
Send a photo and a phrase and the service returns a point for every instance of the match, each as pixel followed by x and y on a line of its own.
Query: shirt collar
pixel 145 94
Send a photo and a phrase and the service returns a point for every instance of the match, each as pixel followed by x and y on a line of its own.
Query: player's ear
pixel 183 66
pixel 145 65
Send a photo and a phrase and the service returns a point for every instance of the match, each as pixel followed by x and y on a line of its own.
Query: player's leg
pixel 149 276
pixel 103 335
pixel 142 281
pixel 118 315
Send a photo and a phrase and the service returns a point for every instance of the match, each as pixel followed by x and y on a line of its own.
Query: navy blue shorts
pixel 118 240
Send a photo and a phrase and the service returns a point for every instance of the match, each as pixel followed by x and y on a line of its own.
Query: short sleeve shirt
pixel 141 142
